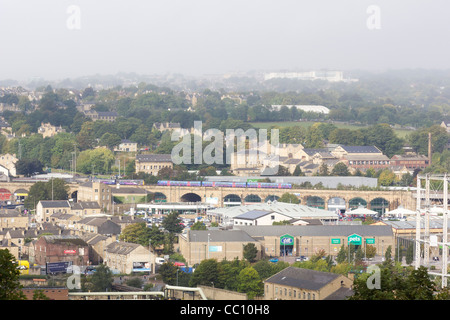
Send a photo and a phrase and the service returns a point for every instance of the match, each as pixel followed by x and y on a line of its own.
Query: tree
pixel 264 269
pixel 323 170
pixel 28 167
pixel 386 178
pixel 340 169
pixel 409 255
pixel 250 283
pixel 110 140
pixel 342 255
pixel 168 272
pixel 136 233
pixel 40 295
pixel 371 251
pixel 102 279
pixel 198 226
pixel 289 198
pixel 156 236
pixel 135 282
pixel 388 253
pixel 56 189
pixel 298 172
pixel 172 223
pixel 98 161
pixel 250 252
pixel 10 288
pixel 206 273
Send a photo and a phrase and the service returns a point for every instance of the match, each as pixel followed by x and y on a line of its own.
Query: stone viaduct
pixel 222 196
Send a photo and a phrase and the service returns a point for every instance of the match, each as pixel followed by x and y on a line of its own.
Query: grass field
pixel 401 133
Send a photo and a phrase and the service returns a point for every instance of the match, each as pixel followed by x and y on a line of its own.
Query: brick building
pixel 61 248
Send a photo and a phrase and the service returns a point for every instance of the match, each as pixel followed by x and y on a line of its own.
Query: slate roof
pixel 63 239
pixel 361 149
pixel 302 278
pixel 86 205
pixel 93 238
pixel 55 203
pixel 317 230
pixel 340 294
pixel 154 158
pixel 107 113
pixel 219 236
pixel 311 151
pixel 253 214
pixel 122 248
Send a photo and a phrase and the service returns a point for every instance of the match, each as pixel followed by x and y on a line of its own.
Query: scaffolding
pixel 423 211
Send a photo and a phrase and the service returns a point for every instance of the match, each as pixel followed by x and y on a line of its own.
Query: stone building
pixel 152 163
pixel 198 245
pixel 124 257
pixel 304 284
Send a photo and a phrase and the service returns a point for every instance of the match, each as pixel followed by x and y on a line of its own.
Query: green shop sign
pixel 335 241
pixel 370 241
pixel 287 240
pixel 354 239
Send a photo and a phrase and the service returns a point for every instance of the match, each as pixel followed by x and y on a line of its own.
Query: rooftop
pixel 302 278
pixel 361 149
pixel 219 236
pixel 154 158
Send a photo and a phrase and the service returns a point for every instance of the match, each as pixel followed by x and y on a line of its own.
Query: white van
pixel 159 261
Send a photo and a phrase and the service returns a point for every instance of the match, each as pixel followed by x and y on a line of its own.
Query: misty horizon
pixel 52 41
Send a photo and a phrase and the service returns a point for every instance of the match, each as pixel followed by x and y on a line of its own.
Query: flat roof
pixel 287 209
pixel 317 230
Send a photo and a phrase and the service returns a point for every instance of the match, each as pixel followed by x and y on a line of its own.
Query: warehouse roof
pixel 302 278
pixel 317 230
pixel 253 214
pixel 219 236
pixel 287 209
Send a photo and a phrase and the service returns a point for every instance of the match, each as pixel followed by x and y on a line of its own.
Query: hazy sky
pixel 41 38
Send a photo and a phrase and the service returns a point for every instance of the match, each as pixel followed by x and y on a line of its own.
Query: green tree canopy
pixel 102 279
pixel 56 189
pixel 10 287
pixel 289 198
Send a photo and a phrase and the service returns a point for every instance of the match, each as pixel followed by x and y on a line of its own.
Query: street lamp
pixel 208 245
pixel 150 256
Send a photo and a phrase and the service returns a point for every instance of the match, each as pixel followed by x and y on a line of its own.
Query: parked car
pixel 301 258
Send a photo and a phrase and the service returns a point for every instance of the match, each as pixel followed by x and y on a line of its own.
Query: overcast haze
pixel 196 37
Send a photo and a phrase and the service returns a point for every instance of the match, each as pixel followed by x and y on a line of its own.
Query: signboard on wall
pixel 335 241
pixel 287 240
pixel 354 239
pixel 57 267
pixel 141 266
pixel 215 248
